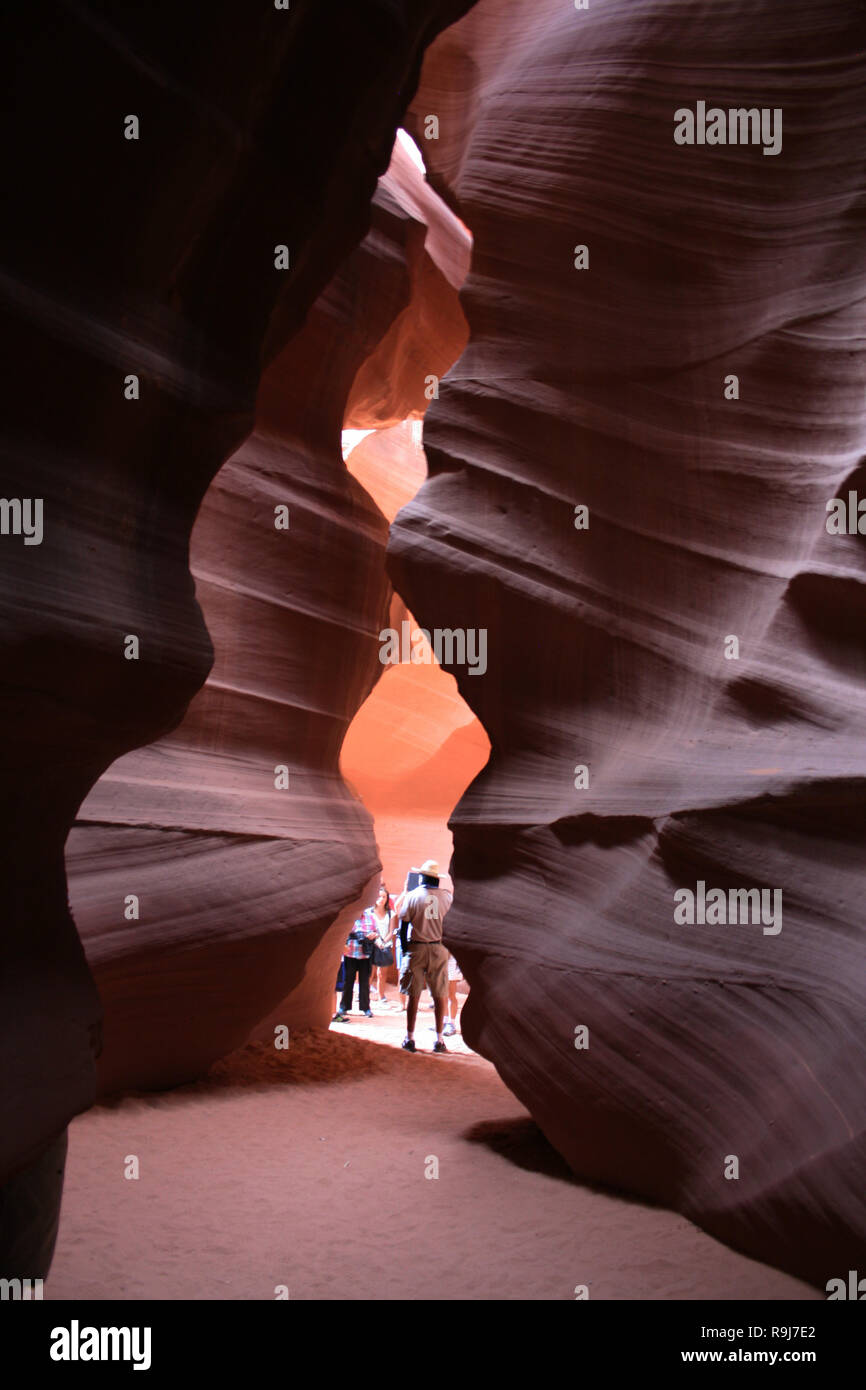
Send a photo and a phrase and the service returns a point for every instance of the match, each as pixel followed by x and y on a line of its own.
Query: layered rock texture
pixel 157 160
pixel 414 745
pixel 236 834
pixel 668 336
pixel 721 1067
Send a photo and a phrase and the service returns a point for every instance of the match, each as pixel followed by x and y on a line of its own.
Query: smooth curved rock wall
pixel 605 387
pixel 239 872
pixel 152 257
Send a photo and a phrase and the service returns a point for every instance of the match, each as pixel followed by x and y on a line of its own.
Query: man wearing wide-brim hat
pixel 427 961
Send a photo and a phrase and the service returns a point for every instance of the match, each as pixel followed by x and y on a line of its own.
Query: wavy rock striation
pixel 238 868
pixel 154 257
pixel 721 1068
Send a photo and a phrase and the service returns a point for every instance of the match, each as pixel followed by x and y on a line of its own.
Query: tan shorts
pixel 426 962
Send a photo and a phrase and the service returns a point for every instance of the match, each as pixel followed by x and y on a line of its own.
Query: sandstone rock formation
pixel 156 159
pixel 601 387
pixel 414 746
pixel 239 871
pixel 605 387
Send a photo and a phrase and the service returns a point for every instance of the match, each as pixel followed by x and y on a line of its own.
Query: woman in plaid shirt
pixel 358 958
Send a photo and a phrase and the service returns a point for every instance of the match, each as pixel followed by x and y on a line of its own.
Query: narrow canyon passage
pixel 639 358
pixel 414 746
pixel 342 1161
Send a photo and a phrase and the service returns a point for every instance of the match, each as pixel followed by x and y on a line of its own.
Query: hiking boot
pixel 408 1044
pixel 439 1047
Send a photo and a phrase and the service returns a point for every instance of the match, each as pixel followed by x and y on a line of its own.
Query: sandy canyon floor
pixel 306 1169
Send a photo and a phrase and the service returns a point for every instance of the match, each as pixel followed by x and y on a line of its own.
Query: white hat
pixel 431 868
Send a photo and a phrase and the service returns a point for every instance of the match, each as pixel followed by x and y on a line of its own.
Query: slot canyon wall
pixel 601 388
pixel 605 387
pixel 155 257
pixel 245 890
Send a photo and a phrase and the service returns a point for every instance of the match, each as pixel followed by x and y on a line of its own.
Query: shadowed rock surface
pixel 155 256
pixel 605 387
